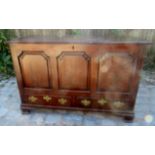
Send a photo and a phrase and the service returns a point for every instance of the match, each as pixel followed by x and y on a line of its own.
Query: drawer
pixel 40 99
pixel 101 103
pixel 48 100
pixel 93 103
pixel 111 104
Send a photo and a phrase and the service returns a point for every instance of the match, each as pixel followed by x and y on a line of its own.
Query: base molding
pixel 27 108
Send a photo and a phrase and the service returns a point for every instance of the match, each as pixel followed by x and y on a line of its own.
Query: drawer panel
pixel 40 99
pixel 113 105
pixel 86 102
pixel 92 103
pixel 101 103
pixel 48 100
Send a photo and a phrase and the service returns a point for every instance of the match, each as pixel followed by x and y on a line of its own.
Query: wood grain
pixel 78 76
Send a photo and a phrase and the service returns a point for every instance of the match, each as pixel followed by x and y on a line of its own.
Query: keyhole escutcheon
pixel 73 47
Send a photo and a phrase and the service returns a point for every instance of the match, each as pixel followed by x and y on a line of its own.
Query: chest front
pixel 96 77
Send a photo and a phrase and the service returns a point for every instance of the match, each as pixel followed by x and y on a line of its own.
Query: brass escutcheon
pixel 32 99
pixel 62 101
pixel 102 101
pixel 85 102
pixel 47 98
pixel 118 104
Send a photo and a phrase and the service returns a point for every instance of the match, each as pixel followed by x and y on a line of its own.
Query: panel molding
pixel 74 53
pixel 24 53
pixel 68 53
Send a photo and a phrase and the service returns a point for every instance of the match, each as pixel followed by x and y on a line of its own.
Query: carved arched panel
pixel 115 71
pixel 34 69
pixel 73 70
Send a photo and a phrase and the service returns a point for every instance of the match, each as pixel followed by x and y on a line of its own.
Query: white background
pixel 71 14
pixel 77 14
pixel 77 140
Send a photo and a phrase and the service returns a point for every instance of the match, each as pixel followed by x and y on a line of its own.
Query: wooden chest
pixel 78 74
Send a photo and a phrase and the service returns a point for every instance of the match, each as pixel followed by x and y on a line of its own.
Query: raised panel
pixel 73 70
pixel 34 69
pixel 115 71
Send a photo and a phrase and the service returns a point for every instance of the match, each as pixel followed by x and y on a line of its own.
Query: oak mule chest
pixel 78 74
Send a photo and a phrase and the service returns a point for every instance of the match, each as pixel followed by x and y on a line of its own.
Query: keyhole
pixel 73 47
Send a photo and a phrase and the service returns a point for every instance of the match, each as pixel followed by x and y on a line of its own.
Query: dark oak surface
pixel 76 39
pixel 77 74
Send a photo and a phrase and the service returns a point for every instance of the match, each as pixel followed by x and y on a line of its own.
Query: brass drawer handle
pixel 118 104
pixel 102 101
pixel 47 98
pixel 32 99
pixel 85 102
pixel 62 101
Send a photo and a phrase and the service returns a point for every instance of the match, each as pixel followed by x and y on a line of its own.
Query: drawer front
pixel 86 102
pixel 48 100
pixel 40 99
pixel 92 103
pixel 101 103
